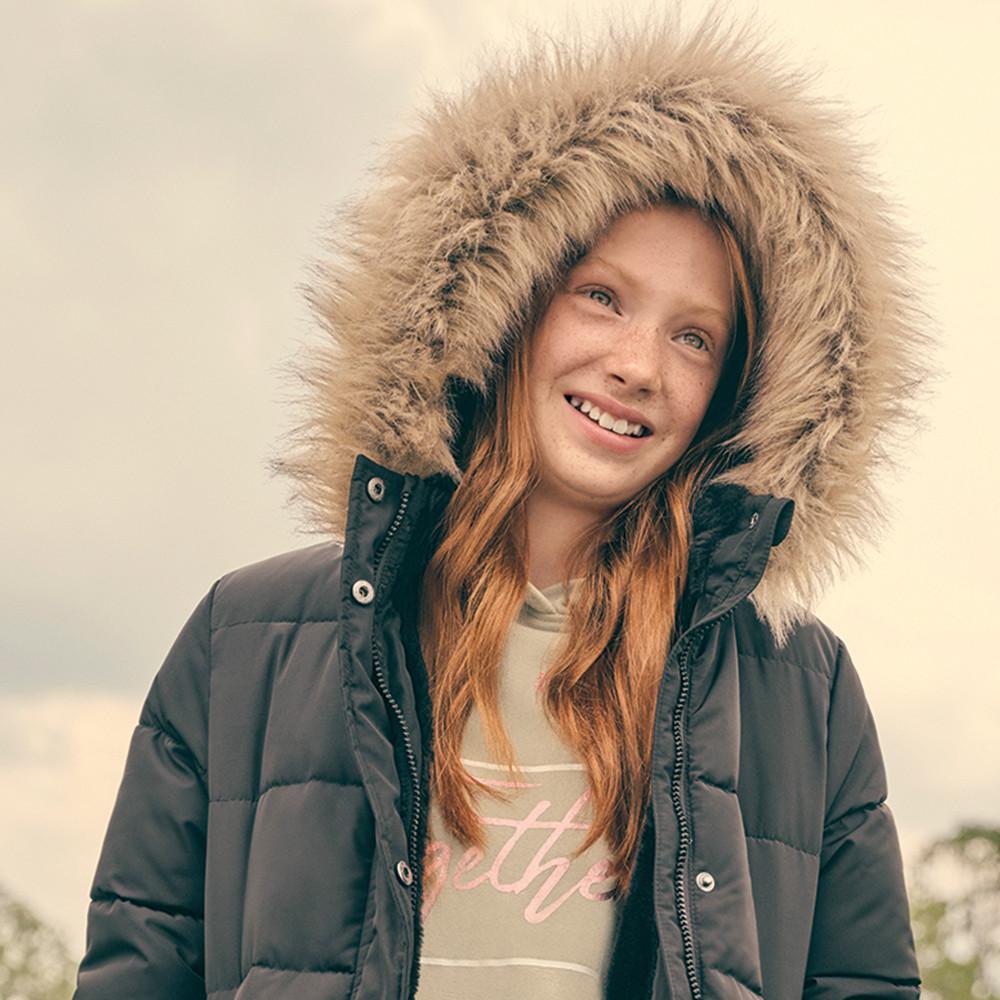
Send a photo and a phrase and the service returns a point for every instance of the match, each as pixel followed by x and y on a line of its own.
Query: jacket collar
pixel 734 531
pixel 733 534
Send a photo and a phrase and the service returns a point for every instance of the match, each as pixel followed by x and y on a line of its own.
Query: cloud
pixel 61 761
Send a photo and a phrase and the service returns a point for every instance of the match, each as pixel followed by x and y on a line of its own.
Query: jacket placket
pixel 375 535
pixel 679 969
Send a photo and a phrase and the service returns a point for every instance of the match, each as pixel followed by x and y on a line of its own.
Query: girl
pixel 617 343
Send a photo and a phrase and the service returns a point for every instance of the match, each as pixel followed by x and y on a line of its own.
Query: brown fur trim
pixel 430 274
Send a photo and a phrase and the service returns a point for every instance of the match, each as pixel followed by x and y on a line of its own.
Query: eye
pixel 699 341
pixel 591 292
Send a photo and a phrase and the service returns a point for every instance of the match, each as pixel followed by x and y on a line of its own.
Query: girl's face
pixel 640 329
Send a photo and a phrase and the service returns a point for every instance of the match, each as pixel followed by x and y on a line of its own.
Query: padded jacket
pixel 267 836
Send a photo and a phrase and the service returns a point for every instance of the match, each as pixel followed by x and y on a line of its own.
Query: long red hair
pixel 600 691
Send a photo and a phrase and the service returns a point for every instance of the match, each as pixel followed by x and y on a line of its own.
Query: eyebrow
pixel 629 280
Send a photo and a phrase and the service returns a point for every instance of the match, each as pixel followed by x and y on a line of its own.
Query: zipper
pixel 411 761
pixel 681 879
pixel 382 682
pixel 404 500
pixel 383 685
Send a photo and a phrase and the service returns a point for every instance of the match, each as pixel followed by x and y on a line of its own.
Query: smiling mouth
pixel 644 431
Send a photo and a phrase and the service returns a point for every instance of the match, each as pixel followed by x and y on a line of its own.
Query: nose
pixel 634 362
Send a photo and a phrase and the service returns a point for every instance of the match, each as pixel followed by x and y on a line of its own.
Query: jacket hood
pixel 431 273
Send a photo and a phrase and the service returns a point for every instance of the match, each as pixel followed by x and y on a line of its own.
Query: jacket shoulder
pixel 294 586
pixel 810 643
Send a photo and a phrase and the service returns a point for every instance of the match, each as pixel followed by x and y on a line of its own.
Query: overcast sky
pixel 166 169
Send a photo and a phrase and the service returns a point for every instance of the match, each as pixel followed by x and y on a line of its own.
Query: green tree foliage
pixel 955 909
pixel 34 960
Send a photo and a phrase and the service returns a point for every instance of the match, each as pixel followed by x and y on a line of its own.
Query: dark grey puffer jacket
pixel 267 837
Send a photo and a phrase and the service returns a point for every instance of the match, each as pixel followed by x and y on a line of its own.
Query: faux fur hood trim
pixel 431 273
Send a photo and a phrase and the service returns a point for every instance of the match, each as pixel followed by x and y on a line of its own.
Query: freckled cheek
pixel 543 363
pixel 689 400
pixel 562 356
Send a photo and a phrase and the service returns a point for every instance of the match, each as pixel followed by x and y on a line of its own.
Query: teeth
pixel 605 420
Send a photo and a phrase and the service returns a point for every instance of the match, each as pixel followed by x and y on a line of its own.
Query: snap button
pixel 403 873
pixel 754 518
pixel 704 880
pixel 363 592
pixel 376 488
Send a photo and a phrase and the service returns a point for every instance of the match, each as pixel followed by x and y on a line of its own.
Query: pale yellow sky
pixel 166 169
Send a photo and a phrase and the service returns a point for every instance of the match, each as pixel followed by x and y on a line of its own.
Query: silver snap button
pixel 403 873
pixel 363 592
pixel 704 880
pixel 754 518
pixel 376 488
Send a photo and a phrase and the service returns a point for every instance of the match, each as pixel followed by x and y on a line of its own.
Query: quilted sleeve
pixel 861 943
pixel 145 930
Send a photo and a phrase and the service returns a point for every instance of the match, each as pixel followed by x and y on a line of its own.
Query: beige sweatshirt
pixel 523 919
